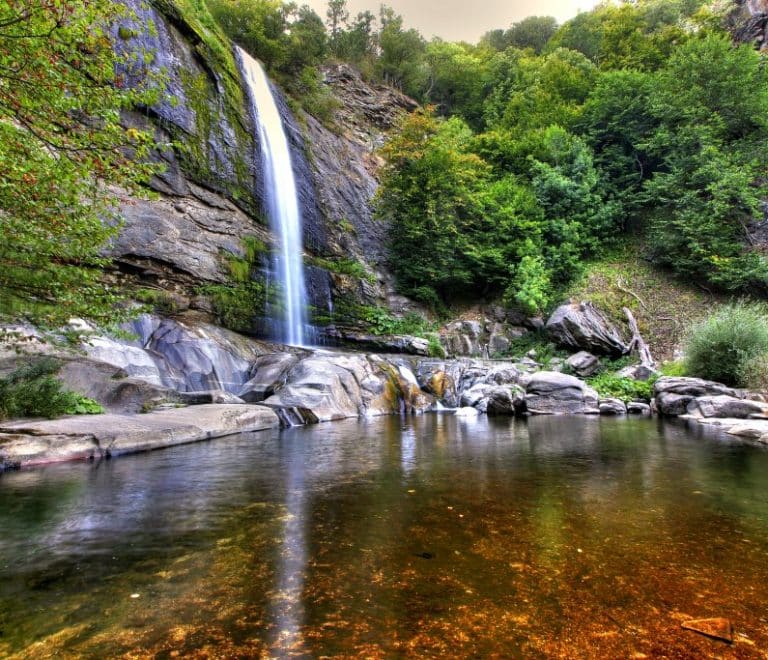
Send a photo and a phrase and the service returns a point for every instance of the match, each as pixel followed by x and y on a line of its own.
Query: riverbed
pixel 429 536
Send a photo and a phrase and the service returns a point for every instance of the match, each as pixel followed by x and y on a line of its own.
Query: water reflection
pixel 427 536
pixel 287 608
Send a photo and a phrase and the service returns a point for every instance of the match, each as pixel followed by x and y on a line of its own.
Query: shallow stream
pixel 429 536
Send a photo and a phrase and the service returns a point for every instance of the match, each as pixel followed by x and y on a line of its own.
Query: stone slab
pixel 28 444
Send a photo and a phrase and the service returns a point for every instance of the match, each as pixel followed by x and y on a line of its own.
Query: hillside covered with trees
pixel 538 148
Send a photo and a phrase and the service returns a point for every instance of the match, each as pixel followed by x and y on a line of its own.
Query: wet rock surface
pixel 31 443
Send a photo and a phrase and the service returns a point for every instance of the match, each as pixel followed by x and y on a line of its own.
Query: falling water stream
pixel 281 200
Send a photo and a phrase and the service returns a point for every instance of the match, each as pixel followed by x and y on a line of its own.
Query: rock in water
pixel 586 328
pixel 551 393
pixel 717 628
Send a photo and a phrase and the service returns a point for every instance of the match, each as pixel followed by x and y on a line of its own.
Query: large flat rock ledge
pixel 27 444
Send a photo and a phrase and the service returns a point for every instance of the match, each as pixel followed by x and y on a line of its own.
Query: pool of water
pixel 430 536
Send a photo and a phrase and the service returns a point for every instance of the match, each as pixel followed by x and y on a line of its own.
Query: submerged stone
pixel 717 628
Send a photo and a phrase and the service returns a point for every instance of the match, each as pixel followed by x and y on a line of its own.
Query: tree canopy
pixel 61 143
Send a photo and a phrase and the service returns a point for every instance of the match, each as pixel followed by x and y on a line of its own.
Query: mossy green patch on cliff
pixel 342 266
pixel 219 102
pixel 245 296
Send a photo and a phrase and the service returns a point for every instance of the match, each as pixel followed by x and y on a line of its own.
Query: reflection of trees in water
pixel 421 535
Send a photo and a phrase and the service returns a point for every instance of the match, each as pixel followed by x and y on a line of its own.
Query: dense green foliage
pixel 539 147
pixel 547 144
pixel 753 373
pixel 61 138
pixel 33 391
pixel 728 346
pixel 611 386
pixel 642 118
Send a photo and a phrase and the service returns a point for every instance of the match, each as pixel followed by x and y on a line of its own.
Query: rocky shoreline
pixel 89 438
pixel 180 381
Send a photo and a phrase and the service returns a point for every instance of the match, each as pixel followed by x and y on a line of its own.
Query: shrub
pixel 33 391
pixel 616 387
pixel 720 347
pixel 436 349
pixel 754 373
pixel 673 369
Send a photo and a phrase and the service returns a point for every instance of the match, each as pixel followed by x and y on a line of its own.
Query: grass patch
pixel 663 305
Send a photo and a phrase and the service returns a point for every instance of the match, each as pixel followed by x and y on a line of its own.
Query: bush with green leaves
pixel 722 346
pixel 611 386
pixel 33 391
pixel 753 373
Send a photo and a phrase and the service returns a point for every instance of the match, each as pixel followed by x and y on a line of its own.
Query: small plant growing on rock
pixel 33 391
pixel 720 347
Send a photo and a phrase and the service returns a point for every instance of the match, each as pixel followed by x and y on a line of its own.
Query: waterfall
pixel 282 202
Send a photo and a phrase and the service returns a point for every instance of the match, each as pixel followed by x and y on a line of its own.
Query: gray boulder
pixel 267 376
pixel 494 399
pixel 553 393
pixel 585 327
pixel 477 397
pixel 670 404
pixel 726 407
pixel 612 407
pixel 673 395
pixel 694 387
pixel 327 390
pixel 638 408
pixel 505 401
pixel 583 364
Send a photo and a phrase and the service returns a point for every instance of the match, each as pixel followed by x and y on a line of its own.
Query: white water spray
pixel 281 197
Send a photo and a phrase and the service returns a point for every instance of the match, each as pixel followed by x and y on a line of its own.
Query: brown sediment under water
pixel 429 536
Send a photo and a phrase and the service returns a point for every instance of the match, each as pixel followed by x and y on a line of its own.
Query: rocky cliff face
pixel 210 198
pixel 749 22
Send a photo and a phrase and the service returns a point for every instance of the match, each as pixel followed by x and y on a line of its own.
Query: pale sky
pixel 467 20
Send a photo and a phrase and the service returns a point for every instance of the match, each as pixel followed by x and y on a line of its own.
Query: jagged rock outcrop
pixel 486 336
pixel 749 22
pixel 583 364
pixel 268 374
pixel 211 195
pixel 327 387
pixel 584 327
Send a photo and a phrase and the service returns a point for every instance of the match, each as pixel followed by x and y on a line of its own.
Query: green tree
pixel 259 26
pixel 458 80
pixel 61 142
pixel 401 59
pixel 430 194
pixel 306 40
pixel 617 122
pixel 337 15
pixel 532 32
pixel 711 105
pixel 530 93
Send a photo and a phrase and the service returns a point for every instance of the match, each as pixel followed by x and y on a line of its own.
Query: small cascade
pixel 282 203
